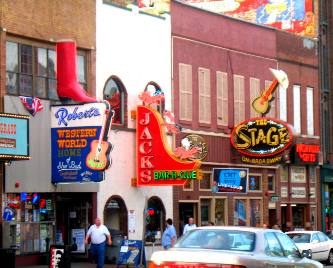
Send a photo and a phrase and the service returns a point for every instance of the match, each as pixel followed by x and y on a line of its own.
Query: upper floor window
pixel 185 92
pixel 274 103
pixel 31 71
pixel 239 99
pixel 297 108
pixel 282 92
pixel 204 95
pixel 154 89
pixel 309 110
pixel 254 93
pixel 115 93
pixel 222 98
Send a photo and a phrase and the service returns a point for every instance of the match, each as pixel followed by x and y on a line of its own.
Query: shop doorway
pixel 155 219
pixel 298 216
pixel 115 215
pixel 186 211
pixel 272 217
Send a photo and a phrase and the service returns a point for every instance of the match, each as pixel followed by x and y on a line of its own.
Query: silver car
pixel 233 247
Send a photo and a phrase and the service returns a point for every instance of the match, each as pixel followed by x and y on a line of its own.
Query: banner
pixel 296 16
pixel 14 136
pixel 230 180
pixel 75 129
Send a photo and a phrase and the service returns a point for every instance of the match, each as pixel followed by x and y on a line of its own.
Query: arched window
pixel 154 89
pixel 115 214
pixel 115 93
pixel 155 218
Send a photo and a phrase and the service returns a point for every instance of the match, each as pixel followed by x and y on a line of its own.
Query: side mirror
pixel 306 254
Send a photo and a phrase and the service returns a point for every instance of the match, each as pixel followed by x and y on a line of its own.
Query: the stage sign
pixel 76 129
pixel 14 136
pixel 261 140
pixel 156 163
pixel 230 180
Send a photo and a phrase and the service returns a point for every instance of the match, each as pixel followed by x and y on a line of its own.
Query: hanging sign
pixel 156 164
pixel 306 154
pixel 80 151
pixel 14 136
pixel 261 140
pixel 230 180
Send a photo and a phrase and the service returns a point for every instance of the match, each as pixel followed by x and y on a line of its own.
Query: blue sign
pixel 8 214
pixel 231 180
pixel 75 129
pixel 131 252
pixel 14 136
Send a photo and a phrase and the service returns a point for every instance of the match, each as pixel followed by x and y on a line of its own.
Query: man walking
pixel 169 236
pixel 190 226
pixel 98 234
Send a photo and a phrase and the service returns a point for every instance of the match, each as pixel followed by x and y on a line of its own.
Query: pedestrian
pixel 211 223
pixel 330 231
pixel 276 227
pixel 190 226
pixel 264 226
pixel 169 235
pixel 98 235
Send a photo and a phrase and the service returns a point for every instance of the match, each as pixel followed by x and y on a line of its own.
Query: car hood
pixel 303 246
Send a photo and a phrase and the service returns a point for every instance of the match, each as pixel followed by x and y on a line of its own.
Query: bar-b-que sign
pixel 261 140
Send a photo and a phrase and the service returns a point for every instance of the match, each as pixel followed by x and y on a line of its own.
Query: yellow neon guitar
pixel 262 103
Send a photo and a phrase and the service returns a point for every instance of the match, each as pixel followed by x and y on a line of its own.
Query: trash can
pixel 60 256
pixel 111 252
pixel 7 257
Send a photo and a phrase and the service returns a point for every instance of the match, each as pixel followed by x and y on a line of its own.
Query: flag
pixel 33 105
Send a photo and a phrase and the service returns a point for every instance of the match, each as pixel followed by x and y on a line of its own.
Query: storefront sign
pixel 230 180
pixel 307 154
pixel 298 192
pixel 14 136
pixel 156 163
pixel 79 149
pixel 298 174
pixel 261 140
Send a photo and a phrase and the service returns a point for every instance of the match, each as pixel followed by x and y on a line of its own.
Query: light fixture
pixel 293 205
pixel 283 205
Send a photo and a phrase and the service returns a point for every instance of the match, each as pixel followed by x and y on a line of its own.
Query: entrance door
pixel 186 211
pixel 298 214
pixel 272 217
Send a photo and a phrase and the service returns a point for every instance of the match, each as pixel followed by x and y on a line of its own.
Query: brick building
pixel 28 31
pixel 219 66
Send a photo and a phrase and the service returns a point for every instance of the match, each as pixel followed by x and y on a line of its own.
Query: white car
pixel 319 246
pixel 232 247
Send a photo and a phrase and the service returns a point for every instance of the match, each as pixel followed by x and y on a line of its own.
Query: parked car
pixel 233 247
pixel 319 246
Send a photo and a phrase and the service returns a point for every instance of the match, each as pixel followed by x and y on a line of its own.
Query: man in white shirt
pixel 98 234
pixel 190 226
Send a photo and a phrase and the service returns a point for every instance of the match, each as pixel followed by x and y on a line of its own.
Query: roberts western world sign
pixel 74 129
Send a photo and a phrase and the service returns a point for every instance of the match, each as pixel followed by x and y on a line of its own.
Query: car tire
pixel 330 257
pixel 310 254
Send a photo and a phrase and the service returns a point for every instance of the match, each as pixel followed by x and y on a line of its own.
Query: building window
pixel 154 89
pixel 240 207
pixel 115 93
pixel 298 174
pixel 204 95
pixel 222 98
pixel 205 182
pixel 255 183
pixel 309 110
pixel 239 99
pixel 297 108
pixel 185 92
pixel 255 212
pixel 254 93
pixel 271 183
pixel 155 218
pixel 30 71
pixel 312 174
pixel 273 104
pixel 284 174
pixel 282 103
pixel 188 186
pixel 220 211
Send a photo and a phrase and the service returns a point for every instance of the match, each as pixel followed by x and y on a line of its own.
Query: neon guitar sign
pixel 262 103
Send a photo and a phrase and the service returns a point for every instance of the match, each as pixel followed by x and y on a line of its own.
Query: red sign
pixel 156 163
pixel 307 152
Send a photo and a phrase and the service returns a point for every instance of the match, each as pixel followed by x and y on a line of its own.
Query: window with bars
pixel 185 92
pixel 31 71
pixel 254 93
pixel 239 99
pixel 204 95
pixel 222 98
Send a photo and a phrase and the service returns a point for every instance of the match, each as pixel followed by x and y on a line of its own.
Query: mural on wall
pixel 296 16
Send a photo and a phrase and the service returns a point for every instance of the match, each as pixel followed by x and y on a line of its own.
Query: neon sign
pixel 64 116
pixel 261 140
pixel 157 165
pixel 307 153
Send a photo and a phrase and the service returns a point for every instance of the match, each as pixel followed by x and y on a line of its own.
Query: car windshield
pixel 300 238
pixel 218 240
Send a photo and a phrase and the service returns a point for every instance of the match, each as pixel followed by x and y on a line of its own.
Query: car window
pixel 315 237
pixel 272 246
pixel 218 239
pixel 322 237
pixel 288 246
pixel 300 237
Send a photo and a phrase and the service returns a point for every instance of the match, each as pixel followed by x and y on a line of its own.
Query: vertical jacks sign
pixel 79 147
